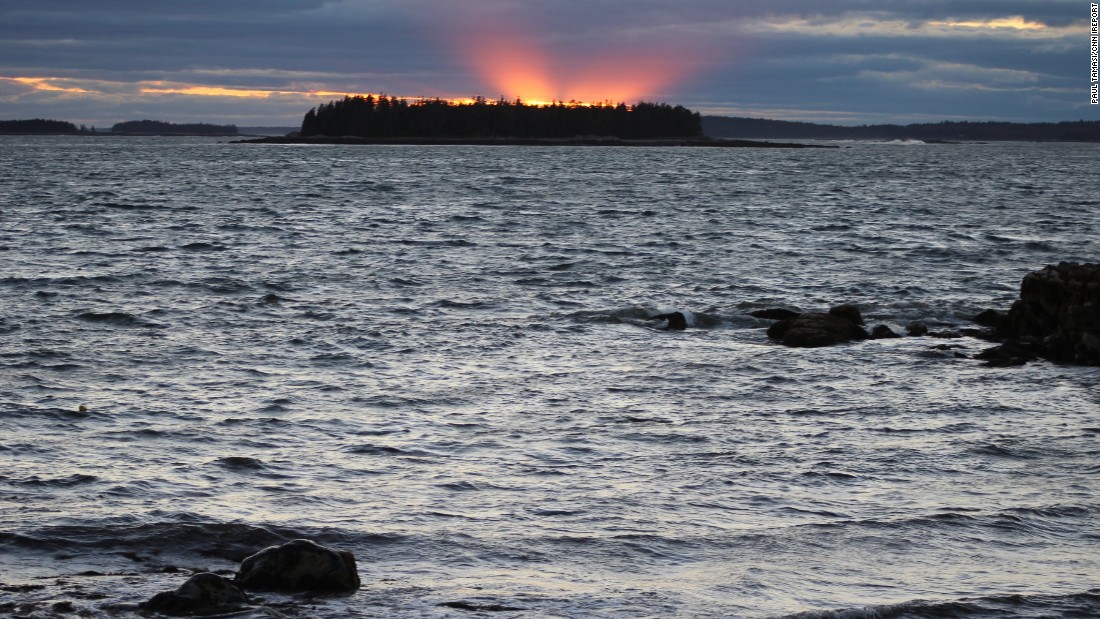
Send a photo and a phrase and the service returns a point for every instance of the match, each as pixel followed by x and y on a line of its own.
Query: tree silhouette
pixel 158 127
pixel 390 117
pixel 37 125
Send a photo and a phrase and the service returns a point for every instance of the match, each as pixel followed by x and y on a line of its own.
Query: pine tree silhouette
pixel 390 117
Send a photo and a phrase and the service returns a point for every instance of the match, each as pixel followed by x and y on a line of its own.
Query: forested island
pixel 39 126
pixel 759 128
pixel 479 121
pixel 390 117
pixel 385 119
pixel 158 127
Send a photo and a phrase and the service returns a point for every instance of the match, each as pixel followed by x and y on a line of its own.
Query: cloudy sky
pixel 266 62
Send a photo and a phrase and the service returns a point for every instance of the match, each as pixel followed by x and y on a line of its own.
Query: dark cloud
pixel 856 60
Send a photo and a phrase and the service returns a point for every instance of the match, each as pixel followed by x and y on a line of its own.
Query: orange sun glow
pixel 516 65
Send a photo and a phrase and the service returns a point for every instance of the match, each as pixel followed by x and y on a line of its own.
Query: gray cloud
pixel 852 60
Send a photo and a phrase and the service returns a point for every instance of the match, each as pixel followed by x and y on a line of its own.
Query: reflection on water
pixel 437 358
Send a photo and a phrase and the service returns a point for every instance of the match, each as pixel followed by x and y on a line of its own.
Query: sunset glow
pixel 506 59
pixel 864 62
pixel 1013 23
pixel 207 91
pixel 162 88
pixel 511 66
pixel 107 88
pixel 848 26
pixel 104 89
pixel 516 63
pixel 516 71
pixel 46 84
pixel 534 77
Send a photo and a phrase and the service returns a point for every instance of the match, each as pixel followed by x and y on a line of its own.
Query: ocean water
pixel 438 359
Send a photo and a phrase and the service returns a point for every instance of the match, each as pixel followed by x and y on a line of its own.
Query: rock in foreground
pixel 1057 316
pixel 810 330
pixel 202 594
pixel 299 566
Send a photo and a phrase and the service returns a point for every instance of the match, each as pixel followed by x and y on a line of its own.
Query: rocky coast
pixel 1057 318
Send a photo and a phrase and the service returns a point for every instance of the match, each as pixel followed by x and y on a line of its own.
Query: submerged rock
pixel 202 594
pixel 481 608
pixel 774 313
pixel 812 330
pixel 916 329
pixel 675 321
pixel 299 566
pixel 881 332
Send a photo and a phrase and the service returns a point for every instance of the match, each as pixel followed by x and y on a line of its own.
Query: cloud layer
pixel 268 61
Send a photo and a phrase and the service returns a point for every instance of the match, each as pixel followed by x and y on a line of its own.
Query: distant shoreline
pixel 112 134
pixel 945 131
pixel 593 141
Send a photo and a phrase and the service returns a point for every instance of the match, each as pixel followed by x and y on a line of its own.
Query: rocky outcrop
pixel 990 318
pixel 882 332
pixel 1012 352
pixel 299 566
pixel 1057 317
pixel 811 330
pixel 203 594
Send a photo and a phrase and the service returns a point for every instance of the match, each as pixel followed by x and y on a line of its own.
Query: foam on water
pixel 440 359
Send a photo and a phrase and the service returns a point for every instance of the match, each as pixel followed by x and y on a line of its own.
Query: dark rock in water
pixel 485 608
pixel 1059 309
pixel 945 347
pixel 676 321
pixel 299 566
pixel 848 312
pixel 881 332
pixel 1011 353
pixel 202 594
pixel 916 329
pixel 945 335
pixel 240 462
pixel 990 318
pixel 774 313
pixel 812 330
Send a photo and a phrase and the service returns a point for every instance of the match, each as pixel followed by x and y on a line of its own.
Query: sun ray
pixel 519 62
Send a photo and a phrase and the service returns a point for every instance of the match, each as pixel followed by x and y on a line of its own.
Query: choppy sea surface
pixel 438 359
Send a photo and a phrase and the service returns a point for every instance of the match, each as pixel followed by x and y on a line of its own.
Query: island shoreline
pixel 580 141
